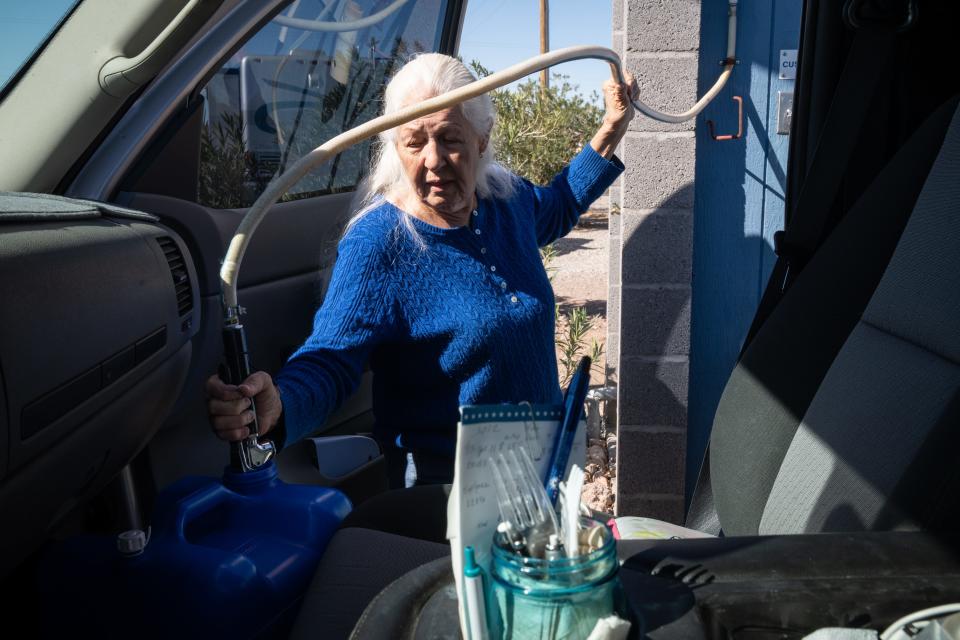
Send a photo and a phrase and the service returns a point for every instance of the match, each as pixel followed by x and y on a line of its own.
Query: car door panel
pixel 294 238
pixel 281 281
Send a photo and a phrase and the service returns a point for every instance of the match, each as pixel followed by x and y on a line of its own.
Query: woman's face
pixel 440 153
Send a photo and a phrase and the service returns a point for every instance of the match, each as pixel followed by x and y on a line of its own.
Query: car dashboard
pixel 98 318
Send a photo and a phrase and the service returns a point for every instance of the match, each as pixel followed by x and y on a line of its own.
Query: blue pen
pixel 563 442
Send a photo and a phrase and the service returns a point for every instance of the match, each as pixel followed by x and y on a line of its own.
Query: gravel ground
pixel 579 275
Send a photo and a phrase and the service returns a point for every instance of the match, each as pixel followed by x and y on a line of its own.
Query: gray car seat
pixel 838 414
pixel 842 414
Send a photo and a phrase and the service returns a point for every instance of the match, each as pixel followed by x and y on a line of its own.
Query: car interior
pixel 831 476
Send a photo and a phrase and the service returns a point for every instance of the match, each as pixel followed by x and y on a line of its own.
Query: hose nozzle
pixel 248 454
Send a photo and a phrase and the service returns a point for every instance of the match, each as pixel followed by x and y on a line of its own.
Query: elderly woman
pixel 438 283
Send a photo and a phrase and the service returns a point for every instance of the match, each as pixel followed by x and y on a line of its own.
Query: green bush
pixel 570 336
pixel 538 131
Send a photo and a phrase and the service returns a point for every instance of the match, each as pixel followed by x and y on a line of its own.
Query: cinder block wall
pixel 651 238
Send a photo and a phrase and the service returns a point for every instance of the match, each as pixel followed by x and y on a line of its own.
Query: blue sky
pixel 499 33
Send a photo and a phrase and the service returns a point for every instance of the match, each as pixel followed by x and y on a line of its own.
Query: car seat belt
pixel 863 73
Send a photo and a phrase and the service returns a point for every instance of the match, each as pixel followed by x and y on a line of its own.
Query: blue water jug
pixel 225 559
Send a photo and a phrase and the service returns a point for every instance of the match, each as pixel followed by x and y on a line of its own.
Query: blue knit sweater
pixel 469 319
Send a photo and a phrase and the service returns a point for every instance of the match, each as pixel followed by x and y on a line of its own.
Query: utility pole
pixel 544 41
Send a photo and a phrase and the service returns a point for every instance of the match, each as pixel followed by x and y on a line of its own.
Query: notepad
pixel 484 431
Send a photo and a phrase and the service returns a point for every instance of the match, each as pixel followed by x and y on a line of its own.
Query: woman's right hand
pixel 618 100
pixel 229 405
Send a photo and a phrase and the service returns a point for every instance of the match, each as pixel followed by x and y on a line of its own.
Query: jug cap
pixel 131 542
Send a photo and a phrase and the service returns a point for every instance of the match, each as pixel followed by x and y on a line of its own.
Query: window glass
pixel 24 28
pixel 315 71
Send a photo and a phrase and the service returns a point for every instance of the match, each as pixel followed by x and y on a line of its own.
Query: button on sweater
pixel 465 317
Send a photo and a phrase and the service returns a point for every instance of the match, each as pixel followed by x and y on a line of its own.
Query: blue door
pixel 739 195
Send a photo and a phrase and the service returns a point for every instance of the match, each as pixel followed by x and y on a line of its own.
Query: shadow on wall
pixel 691 280
pixel 653 367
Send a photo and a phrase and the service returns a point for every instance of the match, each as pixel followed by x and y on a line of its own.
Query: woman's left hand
pixel 618 114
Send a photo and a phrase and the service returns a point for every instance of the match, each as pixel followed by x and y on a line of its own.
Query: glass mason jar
pixel 559 599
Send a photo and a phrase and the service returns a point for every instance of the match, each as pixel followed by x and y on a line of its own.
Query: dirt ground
pixel 579 273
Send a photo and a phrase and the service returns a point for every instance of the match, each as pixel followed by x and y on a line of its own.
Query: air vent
pixel 178 269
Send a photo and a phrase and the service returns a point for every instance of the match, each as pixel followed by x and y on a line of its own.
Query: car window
pixel 297 83
pixel 24 29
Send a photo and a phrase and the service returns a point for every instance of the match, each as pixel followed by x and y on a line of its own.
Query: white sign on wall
pixel 788 64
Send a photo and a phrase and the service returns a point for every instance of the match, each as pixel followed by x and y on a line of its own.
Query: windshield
pixel 24 28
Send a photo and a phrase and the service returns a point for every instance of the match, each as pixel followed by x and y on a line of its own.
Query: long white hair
pixel 430 74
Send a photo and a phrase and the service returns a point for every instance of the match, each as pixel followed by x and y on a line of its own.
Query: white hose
pixel 701 104
pixel 280 185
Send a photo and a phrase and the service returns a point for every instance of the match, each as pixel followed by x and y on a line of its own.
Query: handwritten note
pixel 484 432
